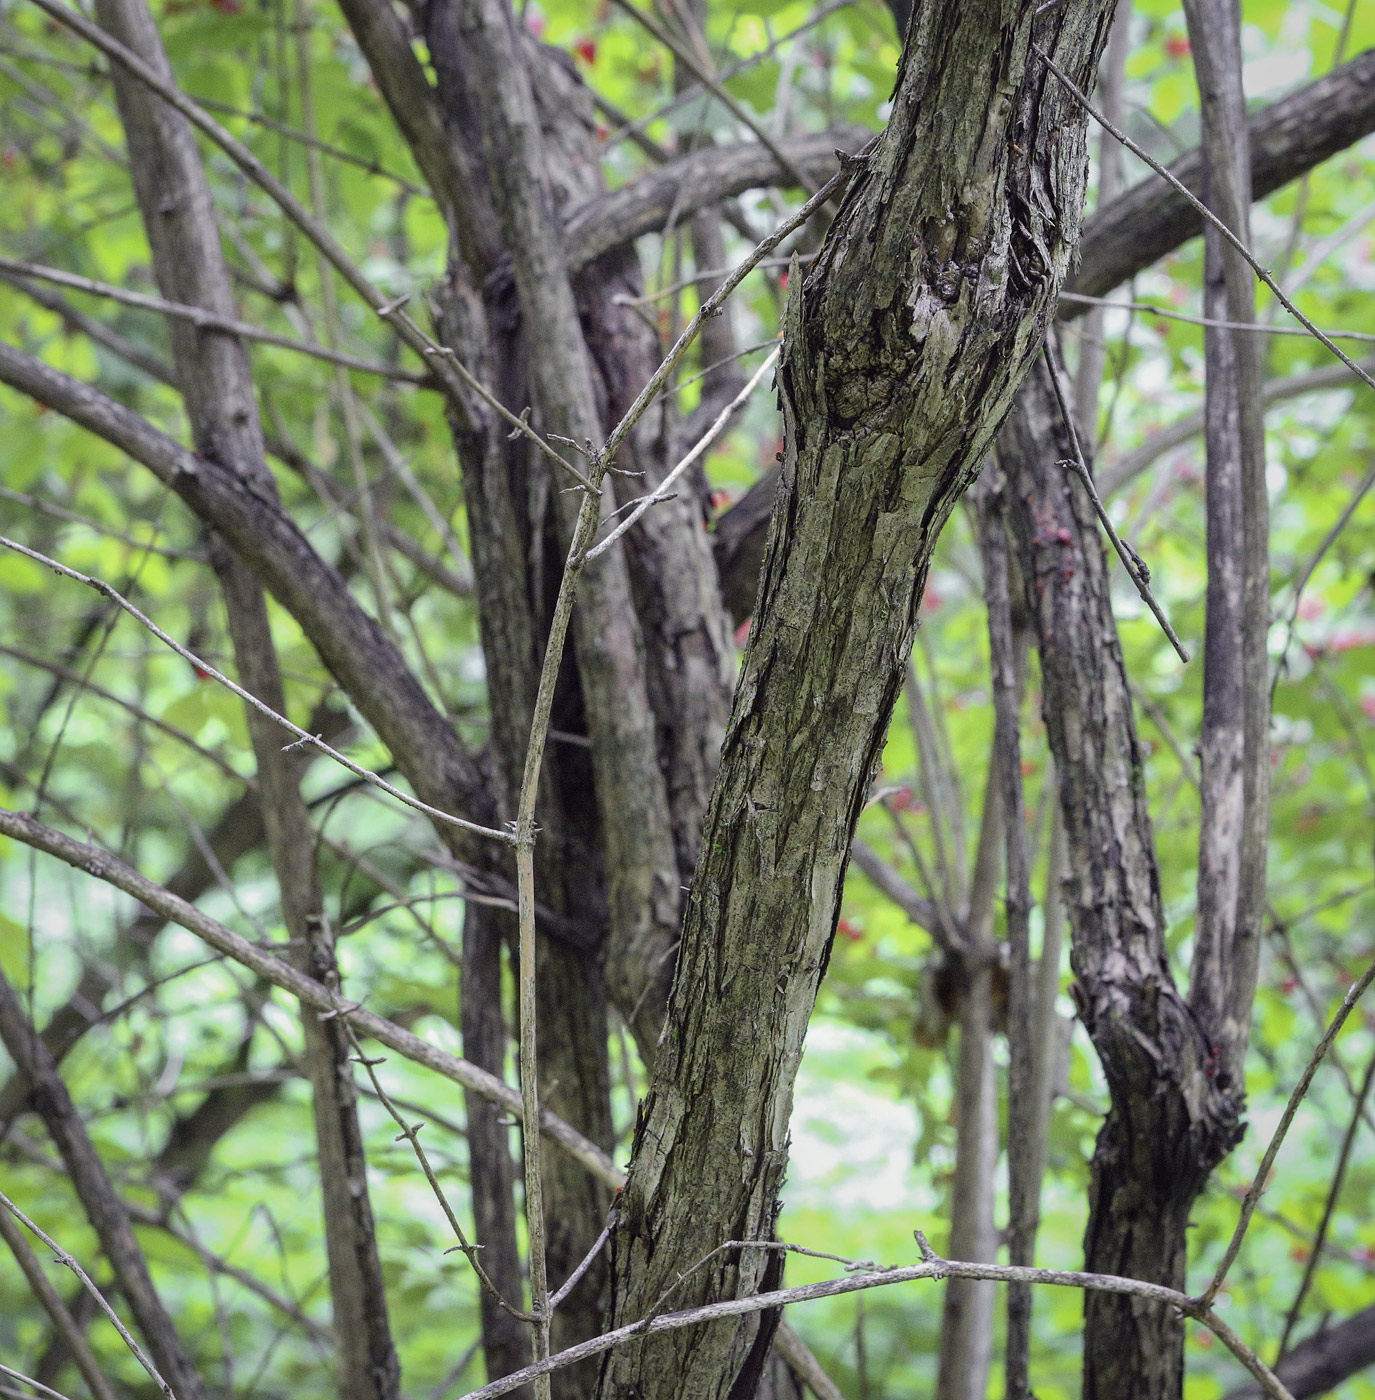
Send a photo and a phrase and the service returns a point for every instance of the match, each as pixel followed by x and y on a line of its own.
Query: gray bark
pixel 1172 1116
pixel 904 347
pixel 1234 755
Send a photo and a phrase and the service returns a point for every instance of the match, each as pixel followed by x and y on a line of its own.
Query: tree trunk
pixel 904 347
pixel 1171 1119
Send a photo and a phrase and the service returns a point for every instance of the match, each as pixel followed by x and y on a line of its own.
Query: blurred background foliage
pixel 102 729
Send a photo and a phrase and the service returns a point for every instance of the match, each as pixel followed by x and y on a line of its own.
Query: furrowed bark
pixel 905 345
pixel 1172 1119
pixel 1234 755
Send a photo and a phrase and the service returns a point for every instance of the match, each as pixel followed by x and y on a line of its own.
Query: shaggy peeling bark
pixel 904 347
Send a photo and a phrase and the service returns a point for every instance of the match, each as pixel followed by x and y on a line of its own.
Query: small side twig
pixel 1131 561
pixel 1248 1205
pixel 411 1133
pixel 663 493
pixel 69 1261
pixel 571 1282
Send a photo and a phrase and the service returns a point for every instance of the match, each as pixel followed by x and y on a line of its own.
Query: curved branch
pixel 349 641
pixel 695 181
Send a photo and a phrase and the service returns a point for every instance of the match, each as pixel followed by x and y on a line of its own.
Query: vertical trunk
pixel 1234 752
pixel 213 369
pixel 967 1311
pixel 1171 1119
pixel 1007 663
pixel 905 344
pixel 967 1314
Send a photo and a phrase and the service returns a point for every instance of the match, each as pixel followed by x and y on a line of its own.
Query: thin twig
pixel 1136 570
pixel 1197 204
pixel 1311 567
pixel 104 866
pixel 411 1133
pixel 663 492
pixel 699 71
pixel 389 309
pixel 630 130
pixel 1208 321
pixel 718 298
pixel 1248 1205
pixel 587 1261
pixel 1330 1205
pixel 932 1267
pixel 303 738
pixel 211 320
pixel 64 1325
pixel 70 1262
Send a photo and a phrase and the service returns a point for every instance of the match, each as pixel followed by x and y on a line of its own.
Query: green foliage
pixel 151 754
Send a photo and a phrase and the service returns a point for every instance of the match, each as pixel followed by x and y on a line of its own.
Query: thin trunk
pixel 1171 1119
pixel 505 1340
pixel 213 369
pixel 966 1346
pixel 1023 1178
pixel 1234 747
pixel 1045 1018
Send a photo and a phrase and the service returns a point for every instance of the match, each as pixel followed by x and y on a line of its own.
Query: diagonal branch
pixel 364 662
pixel 104 866
pixel 1288 138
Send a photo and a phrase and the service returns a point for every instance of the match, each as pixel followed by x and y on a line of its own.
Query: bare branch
pixel 303 737
pixel 935 1268
pixel 202 318
pixel 306 989
pixel 1300 1091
